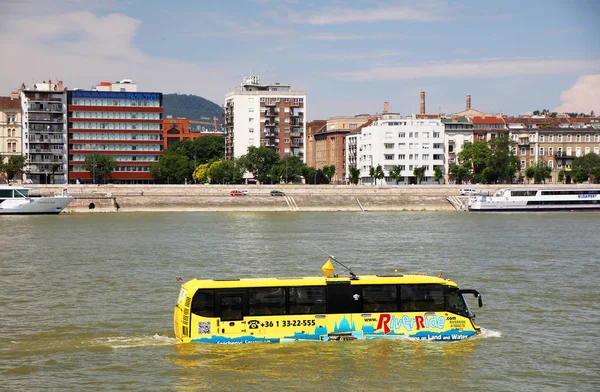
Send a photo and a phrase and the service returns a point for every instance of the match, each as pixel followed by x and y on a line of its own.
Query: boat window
pixel 231 307
pixel 523 193
pixel 203 303
pixel 380 298
pixel 421 297
pixel 268 300
pixel 6 193
pixel 307 300
pixel 456 303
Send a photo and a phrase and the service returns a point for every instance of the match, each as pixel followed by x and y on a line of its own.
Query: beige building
pixel 11 131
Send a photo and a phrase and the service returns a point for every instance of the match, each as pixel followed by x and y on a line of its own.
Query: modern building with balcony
pixel 11 132
pixel 44 109
pixel 408 142
pixel 115 119
pixel 457 131
pixel 268 115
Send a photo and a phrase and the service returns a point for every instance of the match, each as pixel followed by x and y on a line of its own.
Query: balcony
pixel 270 134
pixel 295 134
pixel 523 141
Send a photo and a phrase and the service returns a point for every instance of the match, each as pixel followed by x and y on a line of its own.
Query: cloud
pixel 353 36
pixel 484 68
pixel 358 55
pixel 418 12
pixel 82 49
pixel 582 97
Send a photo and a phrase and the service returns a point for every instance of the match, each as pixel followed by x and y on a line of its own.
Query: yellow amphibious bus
pixel 239 311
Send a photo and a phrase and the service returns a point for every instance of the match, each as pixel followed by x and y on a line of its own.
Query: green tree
pixel 259 161
pixel 561 176
pixel 208 148
pixel 329 172
pixel 419 172
pixel 309 174
pixel 379 174
pixel 539 173
pixel 460 173
pixel 372 174
pixel 474 156
pixel 501 161
pixel 292 167
pixel 100 166
pixel 584 167
pixel 54 168
pixel 200 173
pixel 396 173
pixel 354 175
pixel 172 168
pixel 14 167
pixel 226 171
pixel 438 174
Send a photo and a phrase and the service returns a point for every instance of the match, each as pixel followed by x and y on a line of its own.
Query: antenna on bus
pixel 352 274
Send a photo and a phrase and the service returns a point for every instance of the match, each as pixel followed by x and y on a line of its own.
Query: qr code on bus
pixel 203 327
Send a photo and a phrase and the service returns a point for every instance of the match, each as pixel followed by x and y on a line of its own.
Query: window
pixel 401 156
pixel 541 151
pixel 421 298
pixel 251 119
pixel 569 138
pixel 587 138
pixel 550 164
pixel 231 308
pixel 523 164
pixel 560 138
pixel 263 301
pixel 550 138
pixel 578 138
pixel 250 130
pixel 569 151
pixel 307 300
pixel 541 138
pixel 389 145
pixel 380 298
pixel 550 151
pixel 388 157
pixel 436 134
pixel 203 303
pixel 523 151
pixel 402 134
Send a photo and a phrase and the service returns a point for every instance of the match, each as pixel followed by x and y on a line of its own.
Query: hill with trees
pixel 190 106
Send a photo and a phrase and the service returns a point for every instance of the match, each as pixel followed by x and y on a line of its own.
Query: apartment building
pixel 10 126
pixel 265 115
pixel 44 110
pixel 115 119
pixel 457 131
pixel 409 142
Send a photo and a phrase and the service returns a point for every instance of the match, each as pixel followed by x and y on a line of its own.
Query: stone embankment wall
pixel 130 198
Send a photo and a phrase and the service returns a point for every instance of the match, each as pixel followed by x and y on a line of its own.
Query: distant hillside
pixel 190 106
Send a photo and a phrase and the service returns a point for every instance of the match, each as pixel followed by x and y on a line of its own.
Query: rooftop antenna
pixel 352 274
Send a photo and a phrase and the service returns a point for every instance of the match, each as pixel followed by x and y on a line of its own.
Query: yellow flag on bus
pixel 327 268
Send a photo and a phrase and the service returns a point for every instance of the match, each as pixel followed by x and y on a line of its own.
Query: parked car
pixel 244 191
pixel 277 193
pixel 467 191
pixel 236 193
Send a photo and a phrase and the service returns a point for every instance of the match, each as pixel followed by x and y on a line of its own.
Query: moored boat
pixel 270 310
pixel 564 199
pixel 16 200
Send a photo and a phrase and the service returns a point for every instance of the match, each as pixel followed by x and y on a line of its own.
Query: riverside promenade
pixel 146 198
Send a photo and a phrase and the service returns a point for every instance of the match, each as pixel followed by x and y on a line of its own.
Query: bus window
pixel 421 298
pixel 456 303
pixel 268 300
pixel 203 303
pixel 307 300
pixel 231 308
pixel 380 298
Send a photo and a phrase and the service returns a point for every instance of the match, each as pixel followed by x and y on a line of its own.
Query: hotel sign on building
pixel 114 119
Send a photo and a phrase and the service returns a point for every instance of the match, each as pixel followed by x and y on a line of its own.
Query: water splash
pixel 488 333
pixel 124 342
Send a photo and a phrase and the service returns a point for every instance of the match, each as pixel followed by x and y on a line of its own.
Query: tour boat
pixel 16 200
pixel 271 310
pixel 567 199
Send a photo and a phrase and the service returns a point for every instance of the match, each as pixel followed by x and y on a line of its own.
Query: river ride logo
pixel 387 322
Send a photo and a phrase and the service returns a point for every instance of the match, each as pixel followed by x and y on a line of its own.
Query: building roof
pixel 10 103
pixel 487 120
pixel 536 120
pixel 583 119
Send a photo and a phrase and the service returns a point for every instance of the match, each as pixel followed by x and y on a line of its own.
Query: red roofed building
pixel 486 128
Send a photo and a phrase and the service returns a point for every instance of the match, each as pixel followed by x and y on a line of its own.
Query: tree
pixel 354 175
pixel 200 173
pixel 459 172
pixel 54 168
pixel 501 161
pixel 259 161
pixel 379 173
pixel 474 157
pixel 437 173
pixel 419 172
pixel 292 168
pixel 396 173
pixel 584 167
pixel 372 174
pixel 561 176
pixel 14 167
pixel 208 148
pixel 171 168
pixel 329 171
pixel 310 174
pixel 226 171
pixel 100 166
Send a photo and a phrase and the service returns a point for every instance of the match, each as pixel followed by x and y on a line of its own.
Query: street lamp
pixel 94 172
pixel 46 173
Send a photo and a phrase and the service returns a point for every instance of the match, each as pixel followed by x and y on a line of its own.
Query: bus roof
pixel 314 281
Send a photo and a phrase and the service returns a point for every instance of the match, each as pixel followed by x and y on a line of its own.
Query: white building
pixel 44 107
pixel 269 115
pixel 408 142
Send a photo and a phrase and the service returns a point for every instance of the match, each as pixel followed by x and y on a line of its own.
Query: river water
pixel 86 300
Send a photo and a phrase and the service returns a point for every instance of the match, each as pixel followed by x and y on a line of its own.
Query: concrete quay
pixel 146 198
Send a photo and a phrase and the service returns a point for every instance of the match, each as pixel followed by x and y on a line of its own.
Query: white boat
pixel 16 200
pixel 567 199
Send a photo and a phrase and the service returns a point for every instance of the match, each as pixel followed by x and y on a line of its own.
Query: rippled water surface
pixel 86 300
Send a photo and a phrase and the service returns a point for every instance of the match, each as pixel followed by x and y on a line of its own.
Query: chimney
pixel 60 85
pixel 422 102
pixel 468 102
pixel 385 106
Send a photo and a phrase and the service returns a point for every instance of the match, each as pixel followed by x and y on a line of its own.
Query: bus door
pixel 343 300
pixel 230 308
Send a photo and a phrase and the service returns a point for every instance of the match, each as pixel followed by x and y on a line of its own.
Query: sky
pixel 349 57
